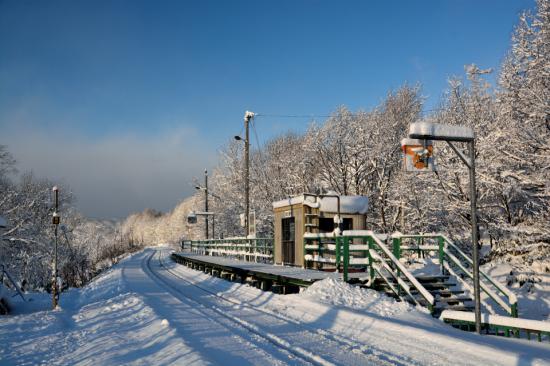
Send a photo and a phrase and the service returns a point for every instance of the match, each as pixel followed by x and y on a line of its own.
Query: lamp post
pixel 55 221
pixel 206 194
pixel 450 134
pixel 247 117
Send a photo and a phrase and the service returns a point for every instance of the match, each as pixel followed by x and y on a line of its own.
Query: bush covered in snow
pixel 27 243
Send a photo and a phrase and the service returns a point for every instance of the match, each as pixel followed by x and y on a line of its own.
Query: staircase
pixel 442 287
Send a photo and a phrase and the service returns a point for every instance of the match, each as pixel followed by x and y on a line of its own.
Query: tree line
pixel 358 153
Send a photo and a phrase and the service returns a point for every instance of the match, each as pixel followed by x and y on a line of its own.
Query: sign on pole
pixel 417 155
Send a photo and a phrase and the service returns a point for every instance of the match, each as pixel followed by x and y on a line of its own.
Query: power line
pixel 292 115
pixel 323 115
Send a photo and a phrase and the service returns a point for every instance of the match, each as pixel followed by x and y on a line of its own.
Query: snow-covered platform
pixel 262 271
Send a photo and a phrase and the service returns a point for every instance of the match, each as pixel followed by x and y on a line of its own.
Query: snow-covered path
pixel 149 310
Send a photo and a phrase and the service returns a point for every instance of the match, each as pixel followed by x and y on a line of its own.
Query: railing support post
pixel 514 310
pixel 337 242
pixel 346 258
pixel 397 247
pixel 371 268
pixel 441 243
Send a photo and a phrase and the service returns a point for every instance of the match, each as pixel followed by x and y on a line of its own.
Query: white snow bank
pixel 334 292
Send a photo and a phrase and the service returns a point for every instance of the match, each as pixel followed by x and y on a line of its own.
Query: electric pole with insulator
pixel 55 221
pixel 247 117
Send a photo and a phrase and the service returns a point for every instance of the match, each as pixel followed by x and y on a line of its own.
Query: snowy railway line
pixel 150 310
pixel 326 341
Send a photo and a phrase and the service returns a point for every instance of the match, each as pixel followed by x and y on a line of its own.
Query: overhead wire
pixel 321 115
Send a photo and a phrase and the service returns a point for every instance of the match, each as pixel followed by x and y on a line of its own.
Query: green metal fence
pixel 362 253
pixel 454 261
pixel 251 250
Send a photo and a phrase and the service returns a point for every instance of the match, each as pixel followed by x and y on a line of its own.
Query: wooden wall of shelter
pixel 302 214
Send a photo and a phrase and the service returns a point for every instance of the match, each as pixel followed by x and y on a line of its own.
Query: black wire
pixel 292 115
pixel 320 115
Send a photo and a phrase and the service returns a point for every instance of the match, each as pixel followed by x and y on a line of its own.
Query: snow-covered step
pixel 442 306
pixel 432 278
pixel 438 285
pixel 452 299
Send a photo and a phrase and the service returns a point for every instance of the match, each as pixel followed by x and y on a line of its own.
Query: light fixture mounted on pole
pixel 247 117
pixel 450 134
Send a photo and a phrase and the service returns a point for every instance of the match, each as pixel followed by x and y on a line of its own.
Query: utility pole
pixel 247 117
pixel 206 201
pixel 55 221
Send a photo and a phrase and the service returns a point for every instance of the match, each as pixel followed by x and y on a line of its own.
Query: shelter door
pixel 289 243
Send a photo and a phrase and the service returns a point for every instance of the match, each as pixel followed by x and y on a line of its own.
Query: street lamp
pixel 206 194
pixel 450 134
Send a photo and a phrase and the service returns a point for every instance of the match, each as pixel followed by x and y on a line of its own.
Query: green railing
pixel 363 251
pixel 454 261
pixel 251 250
pixel 327 251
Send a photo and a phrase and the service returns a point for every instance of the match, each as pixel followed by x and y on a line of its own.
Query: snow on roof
pixel 3 222
pixel 409 142
pixel 437 131
pixel 348 204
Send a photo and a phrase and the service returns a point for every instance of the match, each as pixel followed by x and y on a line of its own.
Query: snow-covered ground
pixel 149 310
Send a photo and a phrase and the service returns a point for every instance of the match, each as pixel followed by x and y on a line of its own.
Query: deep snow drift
pixel 149 310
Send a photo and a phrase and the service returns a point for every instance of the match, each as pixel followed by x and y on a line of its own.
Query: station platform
pixel 281 275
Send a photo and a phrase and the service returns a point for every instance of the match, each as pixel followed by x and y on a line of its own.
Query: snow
pixel 149 310
pixel 318 235
pixel 337 293
pixel 436 131
pixel 530 284
pixel 348 204
pixel 414 142
pixel 504 321
pixel 284 271
pixel 3 222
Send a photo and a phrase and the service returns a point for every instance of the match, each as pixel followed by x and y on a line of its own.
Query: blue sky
pixel 126 101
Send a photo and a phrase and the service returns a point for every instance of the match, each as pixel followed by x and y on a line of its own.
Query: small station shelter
pixel 310 213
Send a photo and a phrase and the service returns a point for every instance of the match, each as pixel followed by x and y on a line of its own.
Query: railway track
pixel 358 355
pixel 298 354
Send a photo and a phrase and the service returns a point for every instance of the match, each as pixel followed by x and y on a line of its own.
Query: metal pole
pixel 206 202
pixel 340 220
pixel 475 235
pixel 54 284
pixel 247 171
